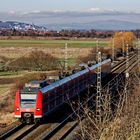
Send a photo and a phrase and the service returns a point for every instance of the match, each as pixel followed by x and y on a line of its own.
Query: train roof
pixel 66 79
pixel 27 90
pixel 36 84
pixel 97 65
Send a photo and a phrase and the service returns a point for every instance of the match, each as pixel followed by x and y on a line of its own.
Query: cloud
pixel 12 12
pixel 95 10
pixel 36 11
pixel 31 12
pixel 64 17
pixel 100 10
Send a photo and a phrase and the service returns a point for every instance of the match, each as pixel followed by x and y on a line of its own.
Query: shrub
pixel 36 60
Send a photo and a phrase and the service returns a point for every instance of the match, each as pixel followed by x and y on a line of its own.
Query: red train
pixel 37 99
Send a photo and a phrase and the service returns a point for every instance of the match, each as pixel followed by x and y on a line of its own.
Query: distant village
pixel 22 29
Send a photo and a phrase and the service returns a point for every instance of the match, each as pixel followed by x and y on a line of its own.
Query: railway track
pixel 18 132
pixel 121 69
pixel 11 131
pixel 117 67
pixel 34 131
pixel 21 133
pixel 62 129
pixel 63 132
pixel 69 126
pixel 47 130
pixel 5 128
pixel 131 61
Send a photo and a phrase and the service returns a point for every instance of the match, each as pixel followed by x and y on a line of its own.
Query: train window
pixel 57 93
pixel 45 100
pixel 65 97
pixel 28 100
pixel 28 103
pixel 51 96
pixel 51 105
pixel 59 100
pixel 60 91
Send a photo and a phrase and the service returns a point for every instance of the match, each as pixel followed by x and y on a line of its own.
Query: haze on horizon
pixel 72 5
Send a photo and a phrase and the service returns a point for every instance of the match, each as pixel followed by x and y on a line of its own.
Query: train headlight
pixel 38 109
pixel 17 109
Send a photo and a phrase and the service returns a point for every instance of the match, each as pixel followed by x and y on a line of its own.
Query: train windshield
pixel 28 98
pixel 28 101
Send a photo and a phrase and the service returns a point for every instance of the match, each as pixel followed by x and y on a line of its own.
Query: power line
pixel 113 49
pixel 138 47
pixel 126 89
pixel 98 94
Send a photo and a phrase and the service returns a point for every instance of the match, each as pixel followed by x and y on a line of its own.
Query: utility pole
pixel 123 46
pixel 127 61
pixel 138 47
pixel 66 56
pixel 127 75
pixel 97 48
pixel 123 43
pixel 113 46
pixel 98 94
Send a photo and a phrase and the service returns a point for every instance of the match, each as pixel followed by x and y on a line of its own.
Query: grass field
pixel 49 43
pixel 13 49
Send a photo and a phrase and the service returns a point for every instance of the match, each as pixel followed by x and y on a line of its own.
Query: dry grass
pixel 123 124
pixel 6 118
pixel 7 99
pixel 15 48
pixel 6 108
pixel 126 125
pixel 16 52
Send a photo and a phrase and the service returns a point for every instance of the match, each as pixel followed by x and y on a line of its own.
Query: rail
pixel 116 67
pixel 11 131
pixel 65 125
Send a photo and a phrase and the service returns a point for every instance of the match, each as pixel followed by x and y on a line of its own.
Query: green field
pixel 12 49
pixel 49 43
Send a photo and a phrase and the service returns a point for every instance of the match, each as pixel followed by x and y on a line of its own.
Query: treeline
pixel 63 33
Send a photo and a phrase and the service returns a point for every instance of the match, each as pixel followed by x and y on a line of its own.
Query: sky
pixel 68 5
pixel 69 13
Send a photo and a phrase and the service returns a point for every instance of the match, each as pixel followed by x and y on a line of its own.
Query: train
pixel 38 98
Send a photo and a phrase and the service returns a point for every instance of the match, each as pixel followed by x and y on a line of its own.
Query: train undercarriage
pixel 28 118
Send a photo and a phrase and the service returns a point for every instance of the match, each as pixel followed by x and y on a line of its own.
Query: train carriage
pixel 38 98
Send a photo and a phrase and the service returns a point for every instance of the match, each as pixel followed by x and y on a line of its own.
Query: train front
pixel 28 103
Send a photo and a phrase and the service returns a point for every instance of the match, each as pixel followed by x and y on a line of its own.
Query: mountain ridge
pixel 97 25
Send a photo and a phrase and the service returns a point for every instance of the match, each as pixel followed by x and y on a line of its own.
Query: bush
pixel 36 60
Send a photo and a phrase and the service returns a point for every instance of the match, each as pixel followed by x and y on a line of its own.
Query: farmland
pixel 49 43
pixel 13 49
